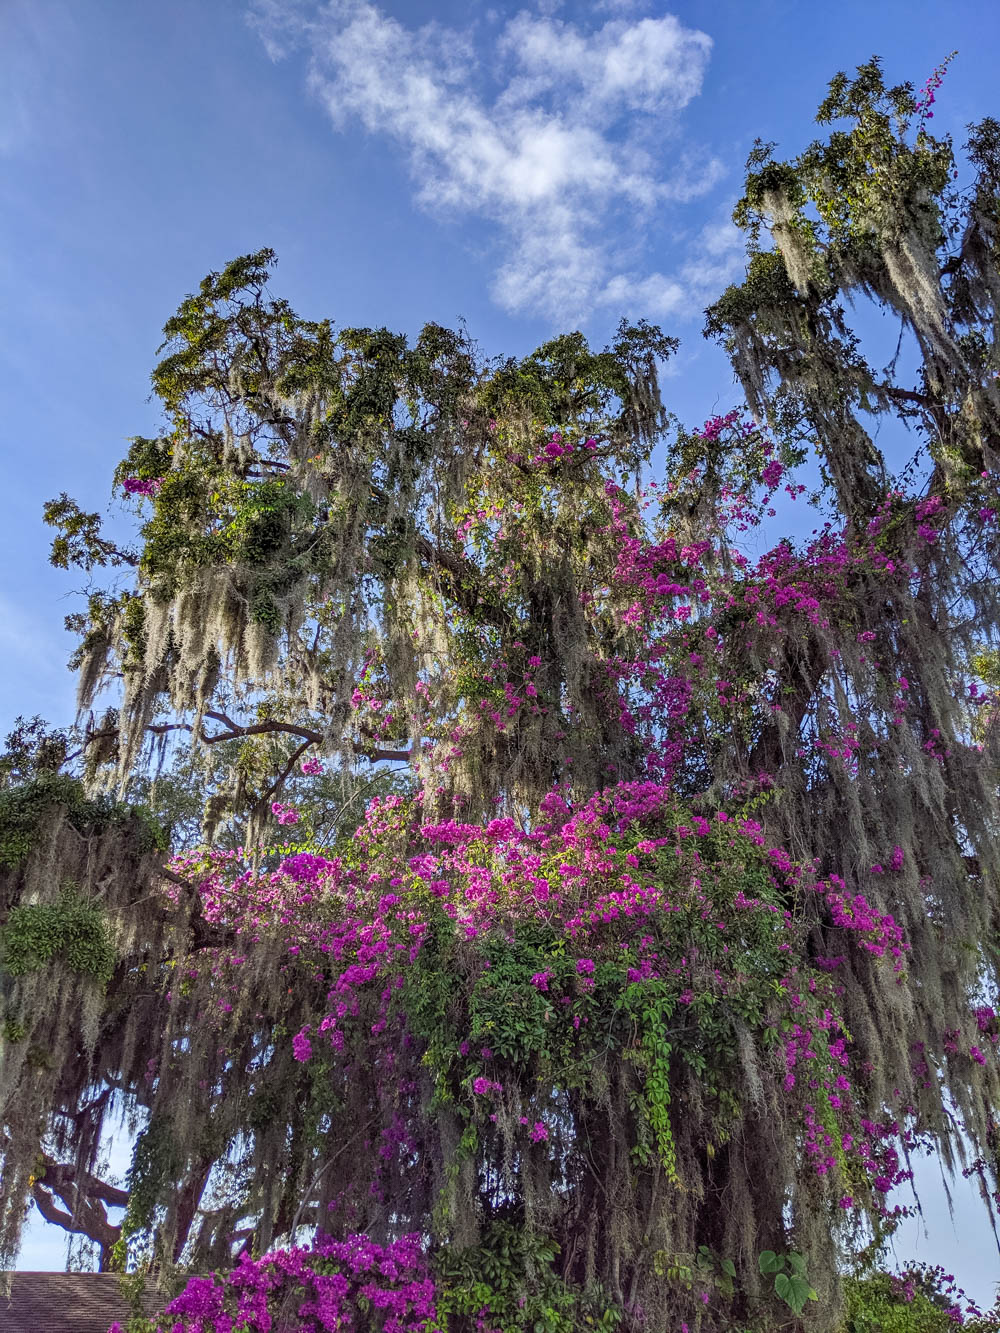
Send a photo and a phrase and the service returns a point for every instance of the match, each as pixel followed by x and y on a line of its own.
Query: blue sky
pixel 531 168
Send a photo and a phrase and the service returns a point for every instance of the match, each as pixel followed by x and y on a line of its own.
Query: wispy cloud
pixel 34 38
pixel 716 258
pixel 577 142
pixel 621 6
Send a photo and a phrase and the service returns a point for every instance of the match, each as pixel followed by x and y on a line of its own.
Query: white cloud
pixel 650 66
pixel 620 6
pixel 573 136
pixel 719 258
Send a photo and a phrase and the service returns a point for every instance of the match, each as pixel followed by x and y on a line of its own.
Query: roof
pixel 62 1303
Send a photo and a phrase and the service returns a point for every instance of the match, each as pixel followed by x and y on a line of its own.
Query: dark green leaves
pixel 80 542
pixel 790 1282
pixel 71 929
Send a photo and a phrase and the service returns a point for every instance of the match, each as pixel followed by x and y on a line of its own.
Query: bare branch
pixel 86 1214
pixel 273 725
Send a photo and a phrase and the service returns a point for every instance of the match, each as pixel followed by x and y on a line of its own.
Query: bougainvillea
pixel 634 1001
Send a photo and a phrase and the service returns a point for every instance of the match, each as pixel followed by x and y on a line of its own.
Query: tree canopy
pixel 468 857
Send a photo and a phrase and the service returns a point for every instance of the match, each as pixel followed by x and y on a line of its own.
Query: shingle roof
pixel 62 1303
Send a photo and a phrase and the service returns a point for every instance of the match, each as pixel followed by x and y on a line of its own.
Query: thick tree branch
pixel 206 935
pixel 60 1176
pixel 276 784
pixel 86 1214
pixel 272 725
pixel 46 1206
pixel 910 396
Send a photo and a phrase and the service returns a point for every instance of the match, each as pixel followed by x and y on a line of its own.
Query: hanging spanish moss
pixel 672 947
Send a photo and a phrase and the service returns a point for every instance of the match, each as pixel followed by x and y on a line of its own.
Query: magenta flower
pixel 150 488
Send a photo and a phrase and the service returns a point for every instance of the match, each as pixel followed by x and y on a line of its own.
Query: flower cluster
pixel 634 896
pixel 559 445
pixel 928 93
pixel 330 1286
pixel 285 814
pixel 483 968
pixel 149 488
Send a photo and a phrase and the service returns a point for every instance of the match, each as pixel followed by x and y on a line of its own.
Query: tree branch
pixel 274 725
pixel 464 584
pixel 59 1176
pixel 87 1215
pixel 206 935
pixel 275 785
pixel 909 396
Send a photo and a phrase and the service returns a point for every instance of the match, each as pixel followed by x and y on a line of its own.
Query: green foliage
pixel 653 1012
pixel 915 1302
pixel 80 543
pixel 72 929
pixel 790 1282
pixel 24 808
pixel 155 1160
pixel 766 284
pixel 133 628
pixel 565 381
pixel 874 1305
pixel 706 1269
pixel 858 178
pixel 132 1286
pixel 509 1281
pixel 32 748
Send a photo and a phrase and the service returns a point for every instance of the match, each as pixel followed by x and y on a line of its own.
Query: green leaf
pixel 769 1262
pixel 729 1267
pixel 794 1291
